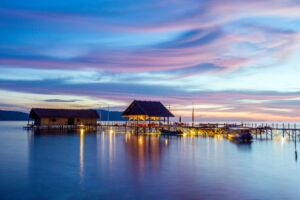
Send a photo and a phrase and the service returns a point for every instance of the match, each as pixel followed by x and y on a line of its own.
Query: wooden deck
pixel 265 130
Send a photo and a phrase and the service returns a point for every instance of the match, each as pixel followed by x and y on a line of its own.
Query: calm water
pixel 119 166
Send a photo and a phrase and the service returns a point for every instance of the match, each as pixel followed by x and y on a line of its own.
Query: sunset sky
pixel 235 60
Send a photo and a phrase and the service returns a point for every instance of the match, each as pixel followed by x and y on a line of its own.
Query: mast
pixel 193 115
pixel 169 117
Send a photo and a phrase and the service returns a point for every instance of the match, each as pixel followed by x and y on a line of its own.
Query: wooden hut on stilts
pixel 42 118
pixel 147 114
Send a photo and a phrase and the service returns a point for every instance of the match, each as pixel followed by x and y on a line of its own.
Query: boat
pixel 170 133
pixel 241 135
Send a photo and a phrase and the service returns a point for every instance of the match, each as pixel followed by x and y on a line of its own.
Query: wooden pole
pixel 283 129
pixel 193 116
pixel 296 153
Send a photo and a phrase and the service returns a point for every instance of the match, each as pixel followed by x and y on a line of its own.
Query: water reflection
pixel 111 140
pixel 111 165
pixel 296 153
pixel 81 152
pixel 58 156
pixel 244 146
pixel 144 151
pixel 166 141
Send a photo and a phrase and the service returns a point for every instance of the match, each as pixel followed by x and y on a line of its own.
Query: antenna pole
pixel 193 115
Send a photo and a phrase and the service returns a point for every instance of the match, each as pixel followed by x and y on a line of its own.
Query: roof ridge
pixel 147 101
pixel 49 112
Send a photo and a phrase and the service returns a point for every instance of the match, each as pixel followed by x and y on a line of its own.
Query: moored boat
pixel 240 135
pixel 170 133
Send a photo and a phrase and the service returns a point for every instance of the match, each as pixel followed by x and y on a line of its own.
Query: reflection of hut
pixel 144 151
pixel 49 117
pixel 147 111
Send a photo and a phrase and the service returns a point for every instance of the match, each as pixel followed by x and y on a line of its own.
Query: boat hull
pixel 242 137
pixel 170 133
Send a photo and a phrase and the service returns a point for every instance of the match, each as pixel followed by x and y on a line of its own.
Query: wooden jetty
pixel 259 131
pixel 262 131
pixel 149 117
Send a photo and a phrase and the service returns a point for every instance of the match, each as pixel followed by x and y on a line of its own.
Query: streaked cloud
pixel 62 100
pixel 233 59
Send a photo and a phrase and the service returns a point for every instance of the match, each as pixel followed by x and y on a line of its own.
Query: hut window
pixel 53 119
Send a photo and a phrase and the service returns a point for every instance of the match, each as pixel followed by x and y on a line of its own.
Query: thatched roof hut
pixel 42 116
pixel 146 110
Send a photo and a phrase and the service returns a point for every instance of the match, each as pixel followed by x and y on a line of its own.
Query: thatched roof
pixel 149 108
pixel 62 113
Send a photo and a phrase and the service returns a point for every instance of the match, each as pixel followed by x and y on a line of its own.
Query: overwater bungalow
pixel 147 111
pixel 63 117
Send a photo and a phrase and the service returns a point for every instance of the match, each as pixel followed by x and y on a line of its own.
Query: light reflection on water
pixel 81 151
pixel 124 166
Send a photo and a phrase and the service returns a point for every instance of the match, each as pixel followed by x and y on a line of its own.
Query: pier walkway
pixel 263 130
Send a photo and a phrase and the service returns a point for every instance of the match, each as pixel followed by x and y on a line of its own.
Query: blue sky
pixel 235 60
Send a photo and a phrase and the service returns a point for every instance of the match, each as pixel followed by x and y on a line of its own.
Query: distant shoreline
pixel 6 115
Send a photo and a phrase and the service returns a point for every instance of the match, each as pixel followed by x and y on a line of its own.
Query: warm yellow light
pixel 127 137
pixel 142 118
pixel 81 155
pixel 276 138
pixel 140 140
pixel 81 131
pixel 283 139
pixel 111 131
pixel 193 132
pixel 230 136
pixel 219 137
pixel 166 141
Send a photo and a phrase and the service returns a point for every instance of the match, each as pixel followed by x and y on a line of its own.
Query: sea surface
pixel 109 165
